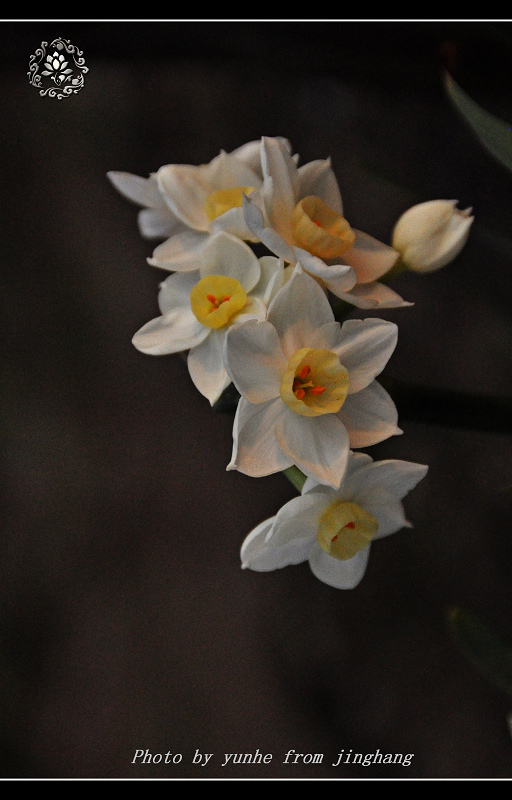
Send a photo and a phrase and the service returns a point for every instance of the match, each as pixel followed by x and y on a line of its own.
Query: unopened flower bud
pixel 429 235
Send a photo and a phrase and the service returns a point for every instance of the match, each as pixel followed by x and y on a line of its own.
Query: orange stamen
pixel 216 303
pixel 350 525
pixel 299 387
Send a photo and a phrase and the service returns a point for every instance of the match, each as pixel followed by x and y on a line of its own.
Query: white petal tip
pixel 141 349
pixel 154 263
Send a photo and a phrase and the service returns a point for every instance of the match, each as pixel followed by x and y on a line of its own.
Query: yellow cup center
pixel 216 299
pixel 314 383
pixel 345 529
pixel 320 230
pixel 223 200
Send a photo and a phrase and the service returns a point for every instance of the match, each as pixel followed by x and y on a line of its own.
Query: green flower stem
pixel 295 476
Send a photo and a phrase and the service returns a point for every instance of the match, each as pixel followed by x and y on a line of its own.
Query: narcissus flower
pixel 186 204
pixel 230 285
pixel 333 528
pixel 429 235
pixel 155 220
pixel 298 215
pixel 307 385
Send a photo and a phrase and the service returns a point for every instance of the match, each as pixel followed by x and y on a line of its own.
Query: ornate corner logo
pixel 58 71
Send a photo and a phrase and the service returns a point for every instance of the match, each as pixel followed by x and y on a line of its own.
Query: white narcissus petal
pixel 255 361
pixel 255 449
pixel 422 222
pixel 250 153
pixel 271 279
pixel 143 191
pixel 226 255
pixel 180 253
pixel 327 336
pixel 279 185
pixel 185 194
pixel 430 256
pixel 370 258
pixel 174 293
pixel 393 476
pixel 319 446
pixel 233 221
pixel 455 237
pixel 158 223
pixel 312 485
pixel 177 329
pixel 370 416
pixel 298 519
pixel 254 309
pixel 297 310
pixel 356 461
pixel 389 513
pixel 171 333
pixel 226 171
pixel 373 295
pixel 365 347
pixel 430 235
pixel 339 574
pixel 253 551
pixel 206 366
pixel 269 237
pixel 337 277
pixel 318 179
pixel 292 535
pixel 257 555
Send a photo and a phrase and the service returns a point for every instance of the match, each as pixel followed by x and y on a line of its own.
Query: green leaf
pixel 484 647
pixel 493 133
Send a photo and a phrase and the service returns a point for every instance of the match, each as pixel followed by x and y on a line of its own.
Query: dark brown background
pixel 126 621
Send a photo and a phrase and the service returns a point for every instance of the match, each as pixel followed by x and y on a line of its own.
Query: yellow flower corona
pixel 314 383
pixel 320 230
pixel 214 300
pixel 223 200
pixel 345 529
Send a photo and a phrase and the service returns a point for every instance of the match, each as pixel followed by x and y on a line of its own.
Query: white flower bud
pixel 429 235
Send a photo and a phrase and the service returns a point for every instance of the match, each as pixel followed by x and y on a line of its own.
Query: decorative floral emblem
pixel 58 71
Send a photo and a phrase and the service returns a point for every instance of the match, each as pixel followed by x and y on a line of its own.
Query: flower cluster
pixel 307 381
